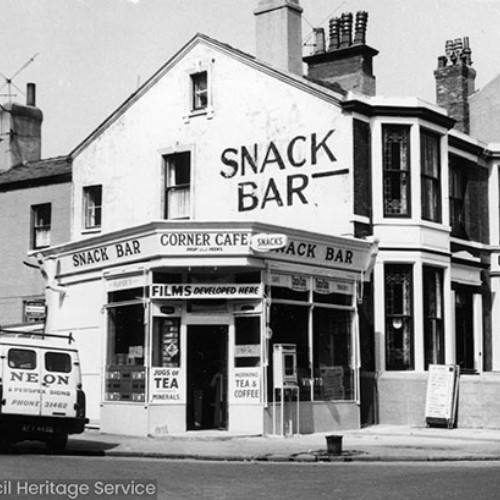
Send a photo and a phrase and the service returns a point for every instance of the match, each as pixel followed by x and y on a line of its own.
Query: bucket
pixel 334 444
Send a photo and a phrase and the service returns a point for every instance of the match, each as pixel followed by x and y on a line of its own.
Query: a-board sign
pixel 442 393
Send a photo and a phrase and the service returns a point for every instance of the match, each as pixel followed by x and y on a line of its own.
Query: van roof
pixel 28 340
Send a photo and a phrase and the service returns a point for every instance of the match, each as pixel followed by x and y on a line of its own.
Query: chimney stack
pixel 455 82
pixel 348 61
pixel 20 132
pixel 279 34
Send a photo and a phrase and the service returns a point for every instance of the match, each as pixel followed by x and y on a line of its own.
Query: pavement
pixel 388 443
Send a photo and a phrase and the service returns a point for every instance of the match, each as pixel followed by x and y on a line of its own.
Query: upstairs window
pixel 199 91
pixel 396 170
pixel 458 186
pixel 177 185
pixel 92 206
pixel 430 176
pixel 41 225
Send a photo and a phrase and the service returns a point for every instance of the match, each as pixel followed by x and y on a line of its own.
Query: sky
pixel 92 54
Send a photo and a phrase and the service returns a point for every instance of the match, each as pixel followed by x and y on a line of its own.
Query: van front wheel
pixel 57 443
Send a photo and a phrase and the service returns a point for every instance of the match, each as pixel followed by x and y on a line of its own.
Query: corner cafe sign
pixel 218 243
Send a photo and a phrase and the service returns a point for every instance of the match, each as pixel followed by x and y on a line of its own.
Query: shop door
pixel 207 377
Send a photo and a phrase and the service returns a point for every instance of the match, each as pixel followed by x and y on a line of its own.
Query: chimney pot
pixel 30 94
pixel 319 40
pixel 334 34
pixel 360 28
pixel 346 37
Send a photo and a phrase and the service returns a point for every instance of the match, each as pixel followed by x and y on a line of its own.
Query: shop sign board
pixel 442 391
pixel 323 286
pixel 207 291
pixel 246 386
pixel 264 242
pixel 165 385
pixel 208 243
pixel 125 282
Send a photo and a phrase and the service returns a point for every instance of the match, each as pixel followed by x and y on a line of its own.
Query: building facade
pixel 35 196
pixel 233 212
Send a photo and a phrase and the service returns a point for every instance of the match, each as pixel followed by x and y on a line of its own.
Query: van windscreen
pixel 57 362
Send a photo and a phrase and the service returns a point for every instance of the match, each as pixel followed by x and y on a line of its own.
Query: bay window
pixel 430 176
pixel 396 170
pixel 399 317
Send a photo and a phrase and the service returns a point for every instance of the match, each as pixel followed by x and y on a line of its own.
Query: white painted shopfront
pixel 184 317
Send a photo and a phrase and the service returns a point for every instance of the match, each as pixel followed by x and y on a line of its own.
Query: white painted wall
pixel 249 107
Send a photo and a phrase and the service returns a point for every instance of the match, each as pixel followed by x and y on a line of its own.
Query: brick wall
pixel 17 281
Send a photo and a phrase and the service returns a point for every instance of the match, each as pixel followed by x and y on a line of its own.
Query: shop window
pixel 433 316
pixel 166 349
pixel 279 292
pixel 247 341
pixel 398 317
pixel 92 207
pixel 290 325
pixel 41 216
pixel 458 185
pixel 396 170
pixel 430 176
pixel 464 328
pixel 177 185
pixel 125 375
pixel 332 340
pixel 199 91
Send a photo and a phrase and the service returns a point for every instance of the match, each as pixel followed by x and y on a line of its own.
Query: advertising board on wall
pixel 246 386
pixel 166 386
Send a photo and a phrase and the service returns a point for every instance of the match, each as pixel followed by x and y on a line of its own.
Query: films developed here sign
pixel 207 291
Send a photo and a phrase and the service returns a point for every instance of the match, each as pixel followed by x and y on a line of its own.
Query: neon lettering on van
pixel 34 378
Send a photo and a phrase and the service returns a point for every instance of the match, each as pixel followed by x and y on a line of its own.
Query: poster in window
pixel 169 342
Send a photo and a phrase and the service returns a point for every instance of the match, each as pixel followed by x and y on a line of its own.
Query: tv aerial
pixel 9 81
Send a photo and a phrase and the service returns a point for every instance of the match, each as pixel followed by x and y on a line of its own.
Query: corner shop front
pixel 190 316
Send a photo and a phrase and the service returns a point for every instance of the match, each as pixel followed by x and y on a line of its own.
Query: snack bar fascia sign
pixel 208 243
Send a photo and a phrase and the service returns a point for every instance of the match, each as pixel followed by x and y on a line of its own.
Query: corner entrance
pixel 207 377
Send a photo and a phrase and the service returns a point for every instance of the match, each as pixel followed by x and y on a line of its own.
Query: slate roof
pixel 36 173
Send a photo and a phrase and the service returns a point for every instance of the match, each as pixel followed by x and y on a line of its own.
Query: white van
pixel 41 393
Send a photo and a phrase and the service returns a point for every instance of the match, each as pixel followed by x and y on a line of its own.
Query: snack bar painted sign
pixel 185 243
pixel 279 174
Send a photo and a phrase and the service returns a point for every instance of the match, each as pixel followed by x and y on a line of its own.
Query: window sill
pixel 93 230
pixel 208 112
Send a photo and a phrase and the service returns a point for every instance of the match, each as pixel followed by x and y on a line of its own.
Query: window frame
pixel 170 169
pixel 458 179
pixel 427 178
pixel 403 320
pixel 37 229
pixel 402 173
pixel 433 315
pixel 199 93
pixel 90 204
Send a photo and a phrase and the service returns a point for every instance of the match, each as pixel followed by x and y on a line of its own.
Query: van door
pixel 21 381
pixel 59 372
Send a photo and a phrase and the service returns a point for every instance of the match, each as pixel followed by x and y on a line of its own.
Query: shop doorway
pixel 207 377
